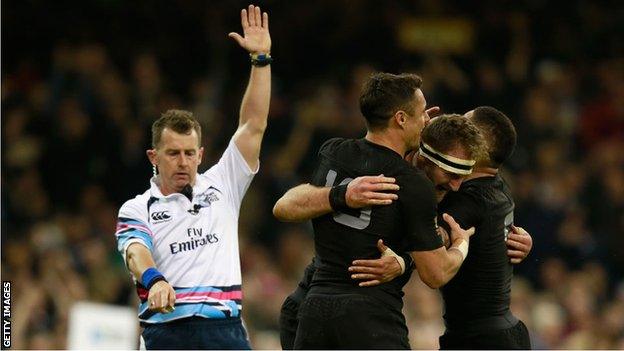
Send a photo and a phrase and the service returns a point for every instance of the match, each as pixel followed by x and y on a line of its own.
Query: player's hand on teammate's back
pixel 256 37
pixel 457 232
pixel 446 238
pixel 433 112
pixel 519 244
pixel 375 272
pixel 371 190
pixel 161 297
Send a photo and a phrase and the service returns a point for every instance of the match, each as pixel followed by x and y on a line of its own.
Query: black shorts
pixel 514 338
pixel 288 322
pixel 349 321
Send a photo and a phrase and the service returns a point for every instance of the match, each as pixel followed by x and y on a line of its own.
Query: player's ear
pixel 400 117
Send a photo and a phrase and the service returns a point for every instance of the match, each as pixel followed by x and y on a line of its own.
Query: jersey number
pixel 360 222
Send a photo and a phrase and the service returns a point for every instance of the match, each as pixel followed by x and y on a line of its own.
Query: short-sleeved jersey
pixel 482 286
pixel 341 237
pixel 194 243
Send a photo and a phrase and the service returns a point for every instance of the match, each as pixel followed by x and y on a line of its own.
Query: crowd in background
pixel 82 83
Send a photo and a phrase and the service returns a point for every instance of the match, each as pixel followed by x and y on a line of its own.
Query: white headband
pixel 446 162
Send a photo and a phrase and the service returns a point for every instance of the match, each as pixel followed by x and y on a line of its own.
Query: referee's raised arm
pixel 254 108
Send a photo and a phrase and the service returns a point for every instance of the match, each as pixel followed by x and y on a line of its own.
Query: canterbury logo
pixel 161 216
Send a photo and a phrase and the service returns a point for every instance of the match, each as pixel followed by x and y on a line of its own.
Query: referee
pixel 180 238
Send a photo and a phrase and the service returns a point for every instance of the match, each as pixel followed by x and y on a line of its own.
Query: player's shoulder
pixel 487 192
pixel 468 195
pixel 347 146
pixel 361 155
pixel 344 154
pixel 413 179
pixel 482 188
pixel 335 145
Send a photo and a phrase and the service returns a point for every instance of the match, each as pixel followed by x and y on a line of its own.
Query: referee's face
pixel 177 158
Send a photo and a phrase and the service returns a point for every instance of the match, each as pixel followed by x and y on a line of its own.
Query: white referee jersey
pixel 194 243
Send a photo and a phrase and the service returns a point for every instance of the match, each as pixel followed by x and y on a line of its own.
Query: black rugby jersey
pixel 482 286
pixel 408 224
pixel 304 284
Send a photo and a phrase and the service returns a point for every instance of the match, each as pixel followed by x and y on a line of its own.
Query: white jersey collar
pixel 201 185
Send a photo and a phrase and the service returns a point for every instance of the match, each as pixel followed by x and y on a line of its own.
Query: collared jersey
pixel 194 243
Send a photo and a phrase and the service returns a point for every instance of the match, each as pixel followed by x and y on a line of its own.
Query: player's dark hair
pixel 179 121
pixel 499 132
pixel 446 132
pixel 384 94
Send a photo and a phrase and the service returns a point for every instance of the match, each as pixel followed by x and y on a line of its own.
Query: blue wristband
pixel 150 277
pixel 260 60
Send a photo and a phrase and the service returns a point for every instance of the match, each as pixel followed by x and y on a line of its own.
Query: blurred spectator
pixel 82 84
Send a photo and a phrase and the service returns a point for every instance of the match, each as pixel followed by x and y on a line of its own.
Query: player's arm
pixel 392 265
pixel 254 108
pixel 437 267
pixel 307 201
pixel 519 244
pixel 303 202
pixel 435 264
pixel 161 296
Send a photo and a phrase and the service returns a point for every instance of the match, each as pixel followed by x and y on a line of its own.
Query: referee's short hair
pixel 180 121
pixel 384 94
pixel 446 132
pixel 499 132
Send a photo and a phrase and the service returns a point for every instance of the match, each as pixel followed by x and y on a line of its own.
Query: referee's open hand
pixel 161 297
pixel 256 38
